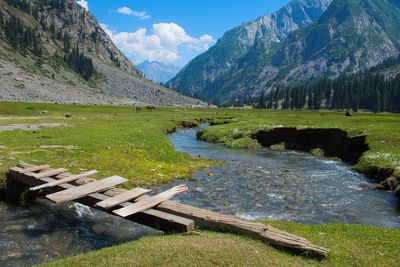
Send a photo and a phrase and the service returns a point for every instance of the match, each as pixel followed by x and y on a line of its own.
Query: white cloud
pixel 142 15
pixel 84 4
pixel 166 42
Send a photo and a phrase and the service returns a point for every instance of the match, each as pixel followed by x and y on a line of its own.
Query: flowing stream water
pixel 293 186
pixel 252 184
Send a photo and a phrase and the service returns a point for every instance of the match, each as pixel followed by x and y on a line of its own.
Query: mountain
pixel 252 42
pixel 350 36
pixel 56 51
pixel 158 72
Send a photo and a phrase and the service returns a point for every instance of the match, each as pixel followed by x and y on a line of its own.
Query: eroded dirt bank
pixel 333 142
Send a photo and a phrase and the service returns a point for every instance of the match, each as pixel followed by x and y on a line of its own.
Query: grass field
pixel 351 245
pixel 132 143
pixel 111 140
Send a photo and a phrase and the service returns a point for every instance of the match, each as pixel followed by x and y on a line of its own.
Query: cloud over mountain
pixel 166 42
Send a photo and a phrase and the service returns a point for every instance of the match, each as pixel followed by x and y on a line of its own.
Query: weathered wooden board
pixel 152 218
pixel 48 173
pixel 35 169
pixel 121 198
pixel 215 221
pixel 87 189
pixel 65 180
pixel 150 202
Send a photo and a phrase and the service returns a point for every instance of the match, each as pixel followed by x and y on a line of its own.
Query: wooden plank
pixel 87 189
pixel 121 198
pixel 64 180
pixel 153 218
pixel 35 168
pixel 48 173
pixel 151 202
pixel 215 221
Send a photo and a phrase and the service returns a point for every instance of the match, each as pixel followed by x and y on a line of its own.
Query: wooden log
pixel 48 173
pixel 121 198
pixel 64 180
pixel 215 221
pixel 87 189
pixel 148 203
pixel 152 218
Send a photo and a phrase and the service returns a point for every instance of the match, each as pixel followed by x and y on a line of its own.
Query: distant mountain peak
pixel 157 71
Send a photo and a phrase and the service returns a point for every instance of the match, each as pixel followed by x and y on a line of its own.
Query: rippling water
pixel 299 187
pixel 45 232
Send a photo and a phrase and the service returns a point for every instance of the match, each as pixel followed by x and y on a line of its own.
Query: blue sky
pixel 173 31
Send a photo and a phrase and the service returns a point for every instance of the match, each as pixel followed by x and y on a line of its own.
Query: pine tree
pixel 261 102
pixel 276 98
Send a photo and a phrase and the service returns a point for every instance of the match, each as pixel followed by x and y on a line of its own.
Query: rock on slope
pixel 50 79
pixel 252 42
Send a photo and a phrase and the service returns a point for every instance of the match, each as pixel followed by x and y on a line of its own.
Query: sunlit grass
pixel 351 245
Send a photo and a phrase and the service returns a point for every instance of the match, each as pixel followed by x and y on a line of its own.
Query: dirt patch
pixel 333 142
pixel 31 127
pixel 6 118
pixel 70 147
pixel 187 124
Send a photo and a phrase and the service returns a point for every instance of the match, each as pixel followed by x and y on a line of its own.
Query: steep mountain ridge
pixel 238 46
pixel 350 36
pixel 68 40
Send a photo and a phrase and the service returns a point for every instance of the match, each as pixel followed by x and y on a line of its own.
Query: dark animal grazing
pixel 151 108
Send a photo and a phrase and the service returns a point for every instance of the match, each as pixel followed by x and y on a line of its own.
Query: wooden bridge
pixel 155 211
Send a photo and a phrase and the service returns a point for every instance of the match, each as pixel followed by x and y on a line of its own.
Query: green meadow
pixel 131 142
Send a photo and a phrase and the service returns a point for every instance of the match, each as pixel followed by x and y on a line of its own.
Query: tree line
pixel 80 63
pixel 24 38
pixel 370 90
pixel 21 37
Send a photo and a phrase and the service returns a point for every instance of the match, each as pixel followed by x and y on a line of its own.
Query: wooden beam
pixel 121 198
pixel 64 180
pixel 215 221
pixel 87 189
pixel 148 203
pixel 48 173
pixel 152 218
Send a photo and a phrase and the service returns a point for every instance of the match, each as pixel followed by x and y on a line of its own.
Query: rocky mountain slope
pixel 158 72
pixel 39 59
pixel 350 36
pixel 252 42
